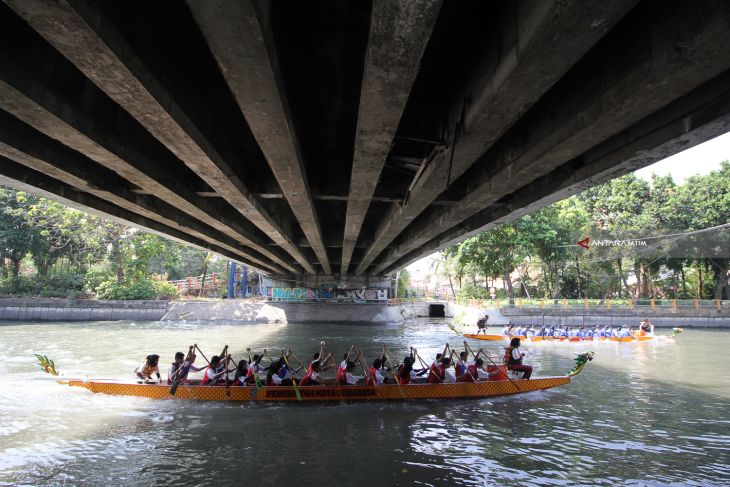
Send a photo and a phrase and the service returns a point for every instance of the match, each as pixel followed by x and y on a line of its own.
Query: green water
pixel 640 414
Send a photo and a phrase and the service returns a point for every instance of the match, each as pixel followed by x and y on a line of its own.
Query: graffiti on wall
pixel 341 295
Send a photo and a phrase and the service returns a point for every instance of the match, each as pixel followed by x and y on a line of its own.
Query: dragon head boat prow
pixel 580 361
pixel 46 364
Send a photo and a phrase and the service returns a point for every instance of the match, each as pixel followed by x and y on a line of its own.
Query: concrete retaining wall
pixel 239 311
pixel 48 309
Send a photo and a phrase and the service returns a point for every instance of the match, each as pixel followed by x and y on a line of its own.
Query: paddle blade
pixel 296 390
pixel 173 388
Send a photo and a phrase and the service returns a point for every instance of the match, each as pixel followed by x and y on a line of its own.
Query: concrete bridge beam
pixel 700 116
pixel 25 179
pixel 602 96
pixel 40 153
pixel 550 37
pixel 83 34
pixel 240 38
pixel 399 32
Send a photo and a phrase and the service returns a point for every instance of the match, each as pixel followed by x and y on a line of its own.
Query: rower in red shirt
pixel 437 373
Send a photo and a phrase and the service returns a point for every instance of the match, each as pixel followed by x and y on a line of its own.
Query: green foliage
pixel 62 286
pixel 74 254
pixel 140 289
pixel 537 247
pixel 403 278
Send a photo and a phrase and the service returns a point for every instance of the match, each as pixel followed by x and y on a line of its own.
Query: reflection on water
pixel 641 413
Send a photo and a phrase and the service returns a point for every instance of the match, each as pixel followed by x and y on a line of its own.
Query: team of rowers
pixel 448 366
pixel 585 333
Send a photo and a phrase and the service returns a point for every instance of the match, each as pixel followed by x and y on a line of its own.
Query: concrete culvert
pixel 436 311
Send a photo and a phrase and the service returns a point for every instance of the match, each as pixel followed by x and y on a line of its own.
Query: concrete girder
pixel 82 34
pixel 631 88
pixel 399 33
pixel 240 38
pixel 21 178
pixel 40 153
pixel 692 120
pixel 551 37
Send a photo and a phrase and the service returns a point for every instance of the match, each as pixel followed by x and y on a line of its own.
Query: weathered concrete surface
pixel 700 116
pixel 552 36
pixel 36 151
pixel 48 309
pixel 468 316
pixel 240 38
pixel 239 311
pixel 399 32
pixel 583 113
pixel 86 37
pixel 351 137
pixel 25 179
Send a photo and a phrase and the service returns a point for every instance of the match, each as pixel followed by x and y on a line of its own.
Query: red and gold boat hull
pixel 326 393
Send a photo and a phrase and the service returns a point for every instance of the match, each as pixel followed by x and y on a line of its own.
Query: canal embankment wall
pixel 53 309
pixel 245 311
pixel 231 311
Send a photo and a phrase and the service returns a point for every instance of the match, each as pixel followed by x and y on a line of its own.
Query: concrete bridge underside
pixel 338 138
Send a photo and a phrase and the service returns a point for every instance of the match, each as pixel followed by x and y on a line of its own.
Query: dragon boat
pixel 535 339
pixel 383 392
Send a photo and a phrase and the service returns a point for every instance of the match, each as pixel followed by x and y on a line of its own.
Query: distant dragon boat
pixel 535 339
pixel 383 392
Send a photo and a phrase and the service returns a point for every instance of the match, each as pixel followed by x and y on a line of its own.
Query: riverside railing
pixel 194 284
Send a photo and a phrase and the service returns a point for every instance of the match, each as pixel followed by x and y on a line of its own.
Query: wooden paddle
pixel 363 364
pixel 507 375
pixel 293 380
pixel 386 351
pixel 202 354
pixel 453 354
pixel 176 381
pixel 253 370
pixel 301 365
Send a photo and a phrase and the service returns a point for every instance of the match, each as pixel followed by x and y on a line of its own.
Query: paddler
pixel 342 369
pixel 215 371
pixel 241 373
pixel 646 328
pixel 476 371
pixel 482 324
pixel 272 374
pixel 312 375
pixel 437 373
pixel 513 359
pixel 405 370
pixel 182 366
pixel 151 366
pixel 254 367
pixel 350 378
pixel 374 375
pixel 461 364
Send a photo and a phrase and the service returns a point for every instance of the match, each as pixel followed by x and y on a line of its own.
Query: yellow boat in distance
pixel 535 339
pixel 384 392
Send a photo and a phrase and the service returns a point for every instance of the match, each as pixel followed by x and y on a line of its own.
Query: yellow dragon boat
pixel 535 339
pixel 460 390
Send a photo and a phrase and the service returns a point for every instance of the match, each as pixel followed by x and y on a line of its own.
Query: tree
pixel 15 235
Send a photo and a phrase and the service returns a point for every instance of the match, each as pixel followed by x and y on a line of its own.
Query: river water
pixel 639 414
